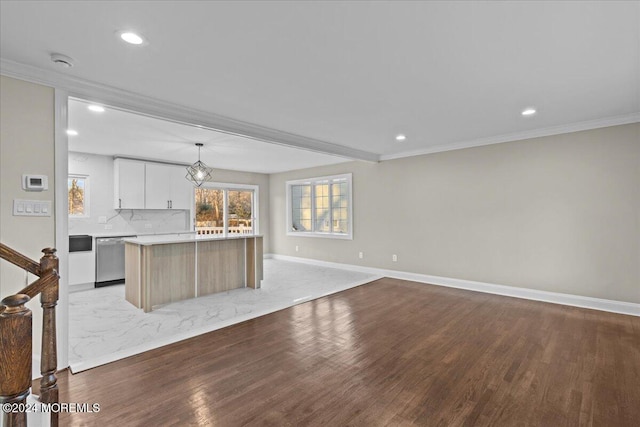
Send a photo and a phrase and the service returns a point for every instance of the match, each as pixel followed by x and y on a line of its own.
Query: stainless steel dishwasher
pixel 110 260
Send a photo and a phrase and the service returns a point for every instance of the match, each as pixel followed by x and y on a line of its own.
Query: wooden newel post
pixel 49 359
pixel 15 357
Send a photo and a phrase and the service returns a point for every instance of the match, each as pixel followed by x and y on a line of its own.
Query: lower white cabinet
pixel 82 267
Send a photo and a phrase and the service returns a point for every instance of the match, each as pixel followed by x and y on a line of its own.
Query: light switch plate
pixel 31 207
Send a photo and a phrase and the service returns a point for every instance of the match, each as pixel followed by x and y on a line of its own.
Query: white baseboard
pixel 612 306
pixel 81 287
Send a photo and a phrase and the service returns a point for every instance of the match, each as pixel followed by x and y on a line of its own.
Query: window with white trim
pixel 320 207
pixel 226 209
pixel 78 195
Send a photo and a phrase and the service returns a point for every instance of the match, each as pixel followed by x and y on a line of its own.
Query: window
pixel 209 210
pixel 78 194
pixel 320 207
pixel 226 209
pixel 240 207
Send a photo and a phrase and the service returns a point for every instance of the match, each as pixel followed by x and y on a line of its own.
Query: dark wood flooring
pixel 387 353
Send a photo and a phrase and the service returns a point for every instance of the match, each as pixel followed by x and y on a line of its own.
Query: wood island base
pixel 161 271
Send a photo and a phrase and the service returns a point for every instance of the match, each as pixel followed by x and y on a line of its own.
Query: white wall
pixel 558 214
pixel 26 146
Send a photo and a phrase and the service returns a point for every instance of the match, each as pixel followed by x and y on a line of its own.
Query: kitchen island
pixel 170 268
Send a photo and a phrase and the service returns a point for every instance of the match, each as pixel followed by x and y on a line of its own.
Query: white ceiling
pixel 447 74
pixel 122 133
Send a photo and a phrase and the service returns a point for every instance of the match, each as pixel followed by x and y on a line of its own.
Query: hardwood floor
pixel 388 353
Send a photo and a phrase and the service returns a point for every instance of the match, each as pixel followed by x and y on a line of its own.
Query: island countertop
pixel 131 234
pixel 186 237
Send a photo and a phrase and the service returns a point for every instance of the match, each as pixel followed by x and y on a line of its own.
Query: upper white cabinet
pixel 181 189
pixel 167 188
pixel 129 184
pixel 157 185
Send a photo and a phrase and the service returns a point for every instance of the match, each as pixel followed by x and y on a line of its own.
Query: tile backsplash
pixel 138 221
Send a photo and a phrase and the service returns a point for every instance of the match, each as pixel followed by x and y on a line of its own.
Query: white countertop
pixel 184 238
pixel 100 234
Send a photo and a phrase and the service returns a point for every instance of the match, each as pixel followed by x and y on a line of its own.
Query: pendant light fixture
pixel 199 172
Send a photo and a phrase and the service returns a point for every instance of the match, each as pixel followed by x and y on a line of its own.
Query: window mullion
pixel 225 212
pixel 330 205
pixel 254 219
pixel 313 206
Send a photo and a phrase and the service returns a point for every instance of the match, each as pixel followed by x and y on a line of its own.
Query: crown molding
pixel 518 136
pixel 153 107
pixel 119 98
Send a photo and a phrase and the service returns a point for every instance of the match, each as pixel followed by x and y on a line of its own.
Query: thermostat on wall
pixel 35 182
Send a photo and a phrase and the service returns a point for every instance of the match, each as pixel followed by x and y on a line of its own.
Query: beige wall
pixel 26 146
pixel 559 214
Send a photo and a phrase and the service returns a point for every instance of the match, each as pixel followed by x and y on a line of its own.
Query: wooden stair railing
pixel 16 336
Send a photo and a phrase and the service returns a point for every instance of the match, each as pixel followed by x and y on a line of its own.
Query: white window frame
pixel 312 181
pixel 87 197
pixel 226 187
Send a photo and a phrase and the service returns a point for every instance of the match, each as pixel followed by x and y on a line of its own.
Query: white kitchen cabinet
pixel 129 184
pixel 167 187
pixel 82 268
pixel 181 189
pixel 149 185
pixel 158 186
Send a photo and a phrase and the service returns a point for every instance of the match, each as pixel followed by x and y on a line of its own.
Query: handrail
pixel 16 336
pixel 47 279
pixel 16 258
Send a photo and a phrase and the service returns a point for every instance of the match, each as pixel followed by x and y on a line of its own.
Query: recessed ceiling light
pixel 131 38
pixel 72 132
pixel 528 111
pixel 96 108
pixel 401 137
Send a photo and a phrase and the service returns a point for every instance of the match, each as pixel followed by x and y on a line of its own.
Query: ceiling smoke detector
pixel 61 60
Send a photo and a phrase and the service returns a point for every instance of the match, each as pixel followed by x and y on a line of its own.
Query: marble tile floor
pixel 104 327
